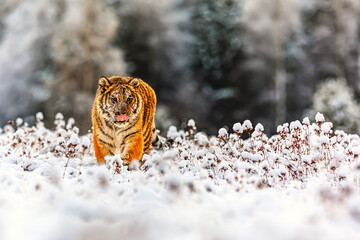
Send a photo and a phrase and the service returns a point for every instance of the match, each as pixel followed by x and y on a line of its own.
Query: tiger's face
pixel 119 99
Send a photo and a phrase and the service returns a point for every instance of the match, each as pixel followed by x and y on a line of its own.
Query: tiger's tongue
pixel 122 117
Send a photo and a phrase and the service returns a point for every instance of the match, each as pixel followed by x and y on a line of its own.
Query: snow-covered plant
pixel 305 162
pixel 191 127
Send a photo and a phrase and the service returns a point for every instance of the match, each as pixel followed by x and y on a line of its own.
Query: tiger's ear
pixel 104 83
pixel 135 82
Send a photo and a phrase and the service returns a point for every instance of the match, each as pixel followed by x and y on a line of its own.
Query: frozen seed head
pixel 178 140
pixel 247 125
pixel 259 127
pixel 184 155
pixel 19 122
pixel 279 129
pixel 222 132
pixel 326 127
pixel 86 142
pixel 307 159
pixel 343 172
pixel 200 154
pixel 324 139
pixel 333 164
pixel 306 121
pixel 356 150
pixel 202 139
pixel 247 146
pixel 19 133
pixel 76 130
pixel 319 118
pixel 40 116
pixel 295 125
pixel 237 128
pixel 191 123
pixel 209 156
pixel 74 140
pixel 59 116
pixel 172 132
pixel 282 170
pixel 340 133
pixel 70 123
pixel 224 165
pixel 60 140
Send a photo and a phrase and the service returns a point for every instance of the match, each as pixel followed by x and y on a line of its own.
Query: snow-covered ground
pixel 300 184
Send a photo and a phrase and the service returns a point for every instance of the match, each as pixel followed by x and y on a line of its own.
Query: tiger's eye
pixel 113 99
pixel 129 100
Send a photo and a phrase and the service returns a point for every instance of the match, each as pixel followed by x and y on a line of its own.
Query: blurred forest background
pixel 216 61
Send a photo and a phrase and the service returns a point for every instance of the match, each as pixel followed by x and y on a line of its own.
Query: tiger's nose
pixel 123 108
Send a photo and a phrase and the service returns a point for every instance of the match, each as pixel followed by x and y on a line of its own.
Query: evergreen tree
pixel 214 54
pixel 152 42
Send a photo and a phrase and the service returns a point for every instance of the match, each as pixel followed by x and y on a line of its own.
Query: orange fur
pixel 123 96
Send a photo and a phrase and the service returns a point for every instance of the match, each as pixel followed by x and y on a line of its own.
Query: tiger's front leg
pixel 134 148
pixel 101 150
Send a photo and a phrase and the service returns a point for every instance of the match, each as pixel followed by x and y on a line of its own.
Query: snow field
pixel 302 183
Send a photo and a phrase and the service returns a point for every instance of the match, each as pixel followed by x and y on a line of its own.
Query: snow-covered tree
pixel 27 28
pixel 332 40
pixel 215 43
pixel 152 42
pixel 82 52
pixel 214 49
pixel 335 99
pixel 6 7
pixel 269 24
pixel 347 48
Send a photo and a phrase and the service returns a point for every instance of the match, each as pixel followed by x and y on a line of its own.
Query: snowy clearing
pixel 300 184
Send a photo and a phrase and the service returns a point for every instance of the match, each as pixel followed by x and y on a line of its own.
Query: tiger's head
pixel 119 99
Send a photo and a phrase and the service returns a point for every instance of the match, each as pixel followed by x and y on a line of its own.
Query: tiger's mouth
pixel 121 118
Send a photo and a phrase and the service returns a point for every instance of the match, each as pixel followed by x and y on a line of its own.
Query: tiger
pixel 123 119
